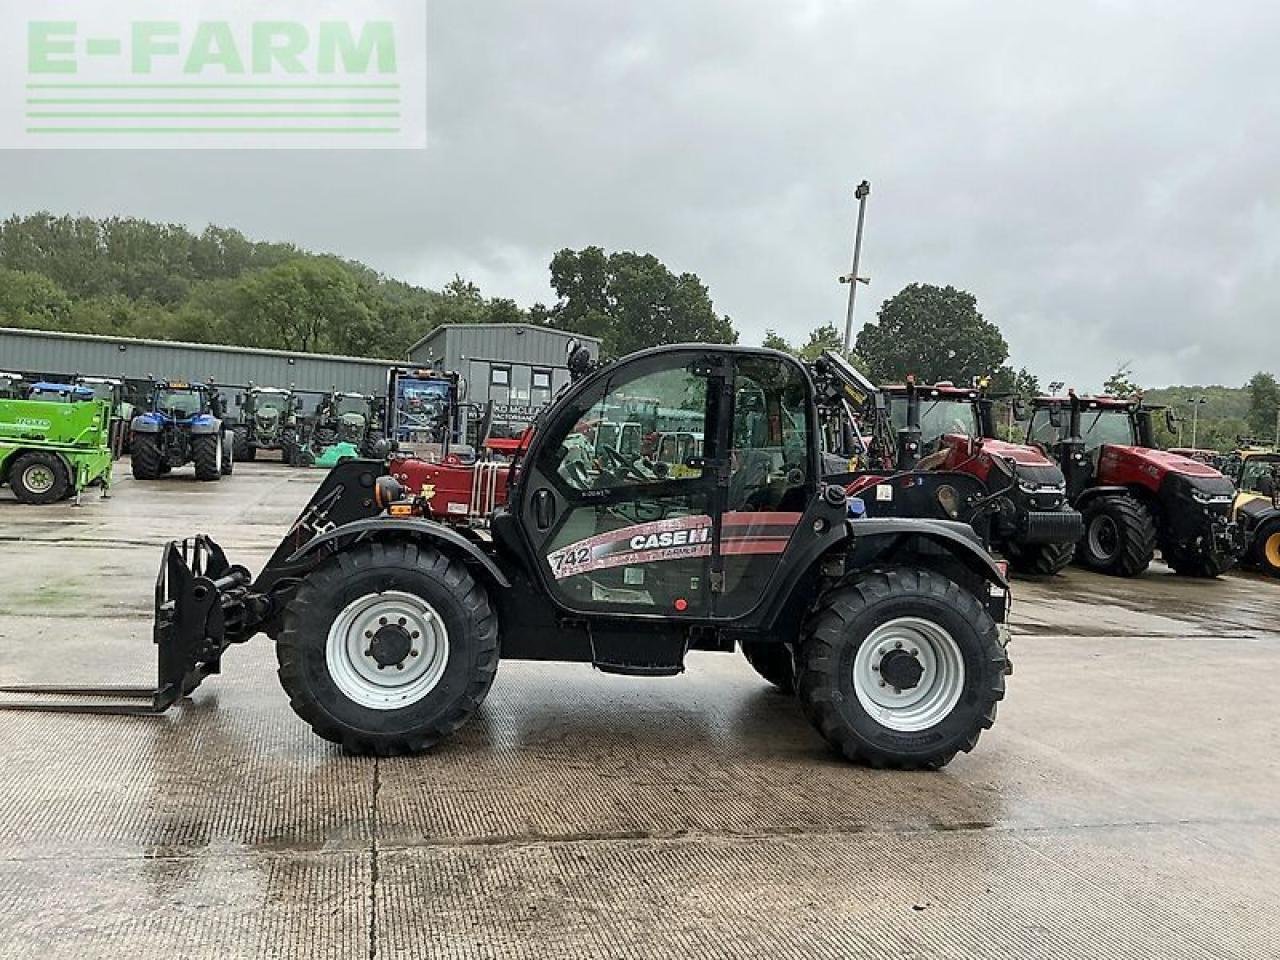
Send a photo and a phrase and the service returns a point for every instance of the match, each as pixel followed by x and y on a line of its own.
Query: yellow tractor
pixel 1257 506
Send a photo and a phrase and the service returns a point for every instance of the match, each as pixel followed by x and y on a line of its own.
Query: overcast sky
pixel 1103 176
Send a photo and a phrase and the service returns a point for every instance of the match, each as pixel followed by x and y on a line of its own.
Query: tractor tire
pixel 40 477
pixel 1041 559
pixel 773 661
pixel 1204 565
pixel 206 453
pixel 387 648
pixel 877 626
pixel 229 454
pixel 242 447
pixel 1119 536
pixel 146 458
pixel 1266 549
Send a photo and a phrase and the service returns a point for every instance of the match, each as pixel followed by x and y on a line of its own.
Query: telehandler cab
pixel 389 627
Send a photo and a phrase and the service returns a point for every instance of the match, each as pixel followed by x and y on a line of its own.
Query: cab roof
pixel 936 391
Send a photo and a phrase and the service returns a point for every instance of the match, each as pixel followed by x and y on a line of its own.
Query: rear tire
pixel 145 457
pixel 773 661
pixel 1119 536
pixel 1041 559
pixel 40 477
pixel 333 681
pixel 228 455
pixel 206 453
pixel 889 614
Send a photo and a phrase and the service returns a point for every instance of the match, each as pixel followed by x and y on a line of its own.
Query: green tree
pixel 1264 405
pixel 934 333
pixel 29 299
pixel 1121 383
pixel 772 341
pixel 632 301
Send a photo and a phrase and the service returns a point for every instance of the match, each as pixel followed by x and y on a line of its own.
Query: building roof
pixel 444 327
pixel 181 344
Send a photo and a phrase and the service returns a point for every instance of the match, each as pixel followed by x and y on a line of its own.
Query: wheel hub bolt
pixel 413 653
pixel 402 621
pixel 368 651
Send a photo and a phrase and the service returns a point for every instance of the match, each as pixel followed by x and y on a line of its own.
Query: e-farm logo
pixel 225 73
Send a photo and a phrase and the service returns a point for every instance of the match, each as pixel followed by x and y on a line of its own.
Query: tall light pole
pixel 1196 404
pixel 860 193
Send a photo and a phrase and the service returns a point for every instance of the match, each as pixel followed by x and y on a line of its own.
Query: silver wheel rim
pixel 217 455
pixel 38 478
pixel 1104 537
pixel 356 671
pixel 941 681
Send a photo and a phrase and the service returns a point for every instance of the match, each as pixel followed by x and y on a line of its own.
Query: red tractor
pixel 1134 496
pixel 952 429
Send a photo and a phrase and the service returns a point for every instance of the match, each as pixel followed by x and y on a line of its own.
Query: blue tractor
pixel 182 423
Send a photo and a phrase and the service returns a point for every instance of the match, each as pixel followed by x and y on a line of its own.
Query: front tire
pixel 388 648
pixel 912 627
pixel 40 477
pixel 241 435
pixel 1266 551
pixel 1041 559
pixel 1119 536
pixel 206 453
pixel 1191 564
pixel 145 457
pixel 773 661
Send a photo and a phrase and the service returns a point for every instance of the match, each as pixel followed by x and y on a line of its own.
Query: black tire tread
pixel 145 457
pixel 773 661
pixel 818 662
pixel 326 581
pixel 204 454
pixel 1138 533
pixel 1041 559
pixel 62 486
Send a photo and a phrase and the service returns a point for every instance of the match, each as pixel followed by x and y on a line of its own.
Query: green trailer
pixel 50 451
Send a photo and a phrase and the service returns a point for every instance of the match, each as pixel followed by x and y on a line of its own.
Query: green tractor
pixel 52 449
pixel 352 421
pixel 114 391
pixel 268 421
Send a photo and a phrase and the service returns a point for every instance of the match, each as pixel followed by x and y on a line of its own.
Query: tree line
pixel 135 278
pixel 129 277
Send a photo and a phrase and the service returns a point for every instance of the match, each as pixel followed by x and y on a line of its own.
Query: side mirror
pixel 239 399
pixel 1019 408
pixel 1170 419
pixel 297 403
pixel 1055 416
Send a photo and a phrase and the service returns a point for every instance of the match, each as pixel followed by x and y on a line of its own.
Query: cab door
pixel 771 447
pixel 612 526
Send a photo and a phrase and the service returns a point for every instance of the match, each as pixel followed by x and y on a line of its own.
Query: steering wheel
pixel 618 465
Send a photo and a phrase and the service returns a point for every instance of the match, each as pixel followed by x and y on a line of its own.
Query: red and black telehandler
pixel 389 627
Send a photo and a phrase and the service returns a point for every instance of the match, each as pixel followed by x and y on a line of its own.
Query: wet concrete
pixel 1124 804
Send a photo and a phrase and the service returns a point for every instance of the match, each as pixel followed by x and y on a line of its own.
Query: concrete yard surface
pixel 1126 803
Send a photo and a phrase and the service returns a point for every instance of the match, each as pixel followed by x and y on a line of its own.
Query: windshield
pixel 346 405
pixel 1256 471
pixel 178 403
pixel 1106 427
pixel 938 418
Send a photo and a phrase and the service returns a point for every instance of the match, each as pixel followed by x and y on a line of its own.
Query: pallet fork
pixel 198 596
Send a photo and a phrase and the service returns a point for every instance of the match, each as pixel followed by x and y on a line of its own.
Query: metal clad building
pixel 76 353
pixel 518 366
